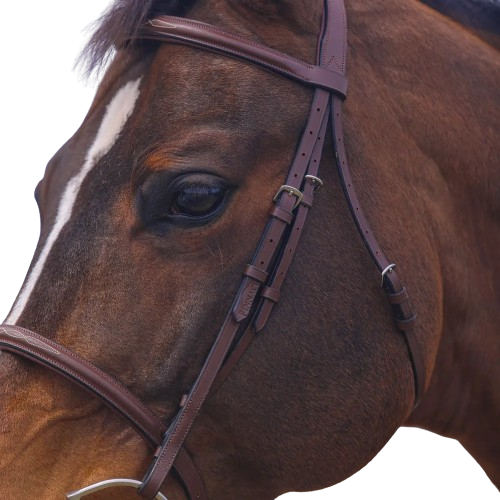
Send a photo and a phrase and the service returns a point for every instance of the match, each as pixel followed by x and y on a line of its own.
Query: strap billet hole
pixel 271 241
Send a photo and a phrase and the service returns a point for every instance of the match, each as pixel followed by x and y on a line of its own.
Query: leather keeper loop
pixel 254 273
pixel 406 324
pixel 270 293
pixel 282 215
pixel 398 297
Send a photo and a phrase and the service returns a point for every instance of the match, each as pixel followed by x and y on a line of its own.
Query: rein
pixel 263 278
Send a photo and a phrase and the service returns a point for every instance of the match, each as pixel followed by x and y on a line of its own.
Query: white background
pixel 43 101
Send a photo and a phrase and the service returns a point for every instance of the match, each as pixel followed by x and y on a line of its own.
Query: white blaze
pixel 117 114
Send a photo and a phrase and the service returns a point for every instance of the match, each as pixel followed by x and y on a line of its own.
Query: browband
pixel 202 35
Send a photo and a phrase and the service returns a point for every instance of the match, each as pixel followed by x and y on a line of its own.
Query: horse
pixel 336 381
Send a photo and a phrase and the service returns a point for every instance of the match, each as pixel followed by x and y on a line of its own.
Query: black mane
pixel 123 18
pixel 120 21
pixel 480 14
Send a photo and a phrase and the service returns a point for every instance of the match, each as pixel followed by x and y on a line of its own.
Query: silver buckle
pixel 110 483
pixel 388 269
pixel 291 192
pixel 315 180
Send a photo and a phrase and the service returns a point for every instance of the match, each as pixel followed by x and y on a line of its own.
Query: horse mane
pixel 120 21
pixel 479 14
pixel 124 17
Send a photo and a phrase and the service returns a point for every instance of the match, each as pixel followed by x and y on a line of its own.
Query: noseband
pixel 262 280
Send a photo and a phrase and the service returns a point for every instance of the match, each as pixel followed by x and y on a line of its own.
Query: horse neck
pixel 450 119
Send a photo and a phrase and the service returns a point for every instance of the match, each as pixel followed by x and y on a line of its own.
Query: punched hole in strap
pixel 255 273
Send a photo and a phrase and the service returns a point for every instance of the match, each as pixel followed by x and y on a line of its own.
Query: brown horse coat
pixel 425 142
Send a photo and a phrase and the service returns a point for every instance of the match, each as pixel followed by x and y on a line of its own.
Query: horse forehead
pixel 190 92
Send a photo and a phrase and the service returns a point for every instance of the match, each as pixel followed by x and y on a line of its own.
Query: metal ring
pixel 110 483
pixel 388 269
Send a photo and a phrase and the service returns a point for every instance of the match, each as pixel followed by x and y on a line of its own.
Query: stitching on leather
pixel 71 372
pixel 327 35
pixel 234 51
pixel 98 371
pixel 87 384
pixel 344 47
pixel 334 59
pixel 209 27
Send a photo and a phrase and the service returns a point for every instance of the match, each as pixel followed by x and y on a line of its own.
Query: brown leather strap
pixel 270 294
pixel 244 302
pixel 288 198
pixel 205 36
pixel 403 314
pixel 51 355
pixel 398 297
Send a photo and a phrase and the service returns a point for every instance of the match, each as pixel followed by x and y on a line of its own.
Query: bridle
pixel 263 278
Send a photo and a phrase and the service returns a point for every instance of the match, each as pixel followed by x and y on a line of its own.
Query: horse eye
pixel 197 200
pixel 190 200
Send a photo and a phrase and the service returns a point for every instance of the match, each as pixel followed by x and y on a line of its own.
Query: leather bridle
pixel 263 278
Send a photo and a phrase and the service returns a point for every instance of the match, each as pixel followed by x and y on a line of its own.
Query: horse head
pixel 149 214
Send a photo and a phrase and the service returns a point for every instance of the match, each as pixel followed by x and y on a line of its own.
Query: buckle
pixel 314 180
pixel 388 269
pixel 291 192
